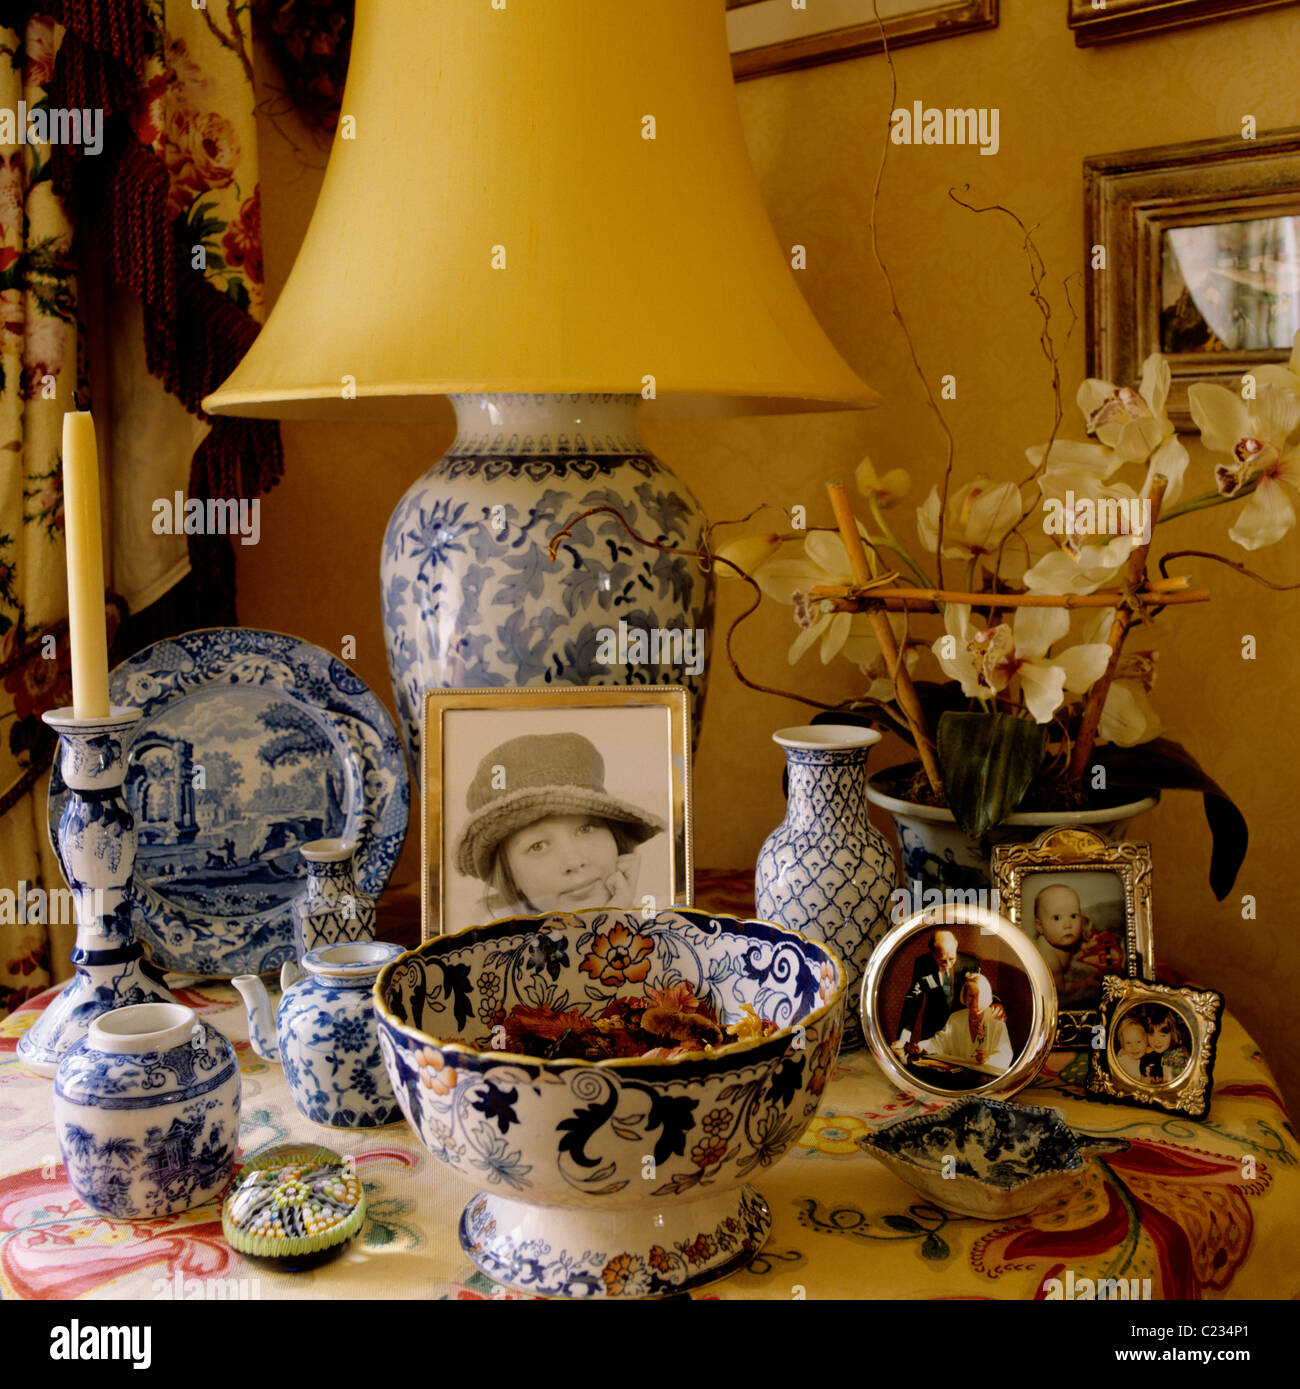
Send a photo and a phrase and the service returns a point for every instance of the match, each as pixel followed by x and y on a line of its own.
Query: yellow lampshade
pixel 496 218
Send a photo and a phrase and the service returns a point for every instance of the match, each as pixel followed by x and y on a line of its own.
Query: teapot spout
pixel 261 1023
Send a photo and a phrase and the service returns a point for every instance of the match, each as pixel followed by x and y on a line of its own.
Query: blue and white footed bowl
pixel 617 1178
pixel 146 1109
pixel 990 1159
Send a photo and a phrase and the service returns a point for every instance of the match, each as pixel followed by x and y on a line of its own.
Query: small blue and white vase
pixel 146 1108
pixel 826 870
pixel 332 910
pixel 96 849
pixel 325 1034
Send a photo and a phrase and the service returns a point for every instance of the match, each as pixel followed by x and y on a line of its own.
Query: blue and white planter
pixel 325 1036
pixel 332 910
pixel 147 1112
pixel 471 596
pixel 96 848
pixel 826 870
pixel 939 856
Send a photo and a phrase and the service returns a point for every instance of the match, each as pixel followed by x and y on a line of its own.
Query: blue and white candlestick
pixel 96 847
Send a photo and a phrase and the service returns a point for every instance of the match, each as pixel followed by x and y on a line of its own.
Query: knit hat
pixel 545 774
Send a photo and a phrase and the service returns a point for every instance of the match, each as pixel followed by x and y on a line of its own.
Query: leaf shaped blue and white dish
pixel 990 1159
pixel 251 744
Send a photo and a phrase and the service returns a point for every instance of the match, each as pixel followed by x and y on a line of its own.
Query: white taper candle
pixel 87 630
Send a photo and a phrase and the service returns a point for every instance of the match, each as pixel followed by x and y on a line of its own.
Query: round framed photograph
pixel 957 1001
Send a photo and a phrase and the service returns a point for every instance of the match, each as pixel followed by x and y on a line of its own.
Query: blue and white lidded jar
pixel 146 1108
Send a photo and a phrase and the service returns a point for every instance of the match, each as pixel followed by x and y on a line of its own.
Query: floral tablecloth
pixel 1201 1209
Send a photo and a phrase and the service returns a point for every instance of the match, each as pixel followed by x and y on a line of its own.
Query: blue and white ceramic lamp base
pixel 96 843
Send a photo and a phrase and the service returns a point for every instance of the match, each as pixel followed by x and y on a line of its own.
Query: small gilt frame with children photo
pixel 1086 905
pixel 1158 1046
pixel 554 799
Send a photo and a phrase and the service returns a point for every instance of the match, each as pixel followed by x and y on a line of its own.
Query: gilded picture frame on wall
pixel 1194 252
pixel 773 36
pixel 1084 904
pixel 1134 19
pixel 1159 1046
pixel 556 798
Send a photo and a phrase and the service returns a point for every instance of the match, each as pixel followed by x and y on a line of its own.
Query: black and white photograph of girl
pixel 539 816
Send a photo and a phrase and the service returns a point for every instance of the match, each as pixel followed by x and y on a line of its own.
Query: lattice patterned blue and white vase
pixel 471 595
pixel 96 845
pixel 146 1108
pixel 826 870
pixel 324 1034
pixel 332 910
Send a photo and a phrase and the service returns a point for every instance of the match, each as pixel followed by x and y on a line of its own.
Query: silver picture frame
pixel 1071 850
pixel 896 965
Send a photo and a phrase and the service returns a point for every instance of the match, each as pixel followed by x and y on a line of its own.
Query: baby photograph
pixel 554 810
pixel 1077 921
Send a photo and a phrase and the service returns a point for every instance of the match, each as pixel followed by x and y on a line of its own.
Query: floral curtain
pixel 39 380
pixel 166 211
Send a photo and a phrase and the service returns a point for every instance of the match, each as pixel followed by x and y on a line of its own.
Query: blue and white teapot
pixel 328 1043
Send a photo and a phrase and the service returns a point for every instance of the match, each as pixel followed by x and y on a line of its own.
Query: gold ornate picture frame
pixel 1159 1046
pixel 1085 905
pixel 901 986
pixel 772 36
pixel 605 770
pixel 1196 265
pixel 1135 19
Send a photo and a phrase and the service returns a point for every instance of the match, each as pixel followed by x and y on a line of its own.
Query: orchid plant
pixel 1014 682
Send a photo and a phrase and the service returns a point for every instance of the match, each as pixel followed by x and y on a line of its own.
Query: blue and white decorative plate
pixel 251 744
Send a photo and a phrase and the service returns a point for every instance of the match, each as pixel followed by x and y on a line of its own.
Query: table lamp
pixel 546 212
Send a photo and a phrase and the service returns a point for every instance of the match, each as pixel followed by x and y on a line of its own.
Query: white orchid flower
pixel 1256 438
pixel 1286 378
pixel 747 552
pixel 790 580
pixel 1009 657
pixel 1071 456
pixel 979 516
pixel 888 490
pixel 1061 572
pixel 1127 717
pixel 1134 425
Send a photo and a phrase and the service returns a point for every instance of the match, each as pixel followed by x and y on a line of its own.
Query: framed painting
pixel 1195 253
pixel 553 799
pixel 772 36
pixel 1134 19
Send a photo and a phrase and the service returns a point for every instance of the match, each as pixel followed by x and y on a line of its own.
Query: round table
pixel 1200 1209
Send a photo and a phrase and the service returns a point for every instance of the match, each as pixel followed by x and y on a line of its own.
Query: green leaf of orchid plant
pixel 988 762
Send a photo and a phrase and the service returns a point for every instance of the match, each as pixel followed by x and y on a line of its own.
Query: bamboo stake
pixel 1125 617
pixel 904 690
pixel 851 599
